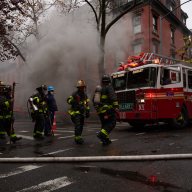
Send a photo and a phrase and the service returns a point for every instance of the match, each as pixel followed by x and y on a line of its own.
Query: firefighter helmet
pixel 98 88
pixel 5 89
pixel 41 88
pixel 106 79
pixel 81 83
pixel 44 87
pixel 50 88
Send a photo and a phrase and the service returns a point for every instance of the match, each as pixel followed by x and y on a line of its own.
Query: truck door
pixel 170 81
pixel 188 91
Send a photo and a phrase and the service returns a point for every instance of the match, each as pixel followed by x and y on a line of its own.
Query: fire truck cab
pixel 152 89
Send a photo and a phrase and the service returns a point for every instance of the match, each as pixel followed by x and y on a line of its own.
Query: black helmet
pixel 42 88
pixel 5 89
pixel 106 79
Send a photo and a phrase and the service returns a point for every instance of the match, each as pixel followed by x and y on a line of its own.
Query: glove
pixel 87 115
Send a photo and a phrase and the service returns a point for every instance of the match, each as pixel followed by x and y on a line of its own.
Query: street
pixel 140 176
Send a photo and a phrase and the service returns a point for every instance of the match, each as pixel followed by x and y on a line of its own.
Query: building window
pixel 155 23
pixel 172 36
pixel 122 2
pixel 137 48
pixel 184 17
pixel 155 47
pixel 172 53
pixel 184 21
pixel 171 5
pixel 137 24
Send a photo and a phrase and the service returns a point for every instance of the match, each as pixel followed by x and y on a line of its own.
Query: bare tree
pixel 66 6
pixel 20 19
pixel 8 19
pixel 100 9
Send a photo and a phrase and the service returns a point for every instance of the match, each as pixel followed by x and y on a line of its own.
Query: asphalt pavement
pixel 109 176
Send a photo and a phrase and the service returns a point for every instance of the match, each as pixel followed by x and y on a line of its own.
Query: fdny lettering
pixel 122 115
pixel 141 107
pixel 118 75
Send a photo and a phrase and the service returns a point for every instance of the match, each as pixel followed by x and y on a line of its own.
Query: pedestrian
pixel 39 111
pixel 6 113
pixel 106 108
pixel 79 109
pixel 52 108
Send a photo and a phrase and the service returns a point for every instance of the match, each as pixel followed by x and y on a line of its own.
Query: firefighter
pixel 52 108
pixel 79 110
pixel 39 111
pixel 106 109
pixel 6 114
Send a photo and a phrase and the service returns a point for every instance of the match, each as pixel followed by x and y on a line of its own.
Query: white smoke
pixel 68 51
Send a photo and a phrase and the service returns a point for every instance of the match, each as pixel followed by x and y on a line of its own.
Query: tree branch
pixel 94 11
pixel 121 15
pixel 19 52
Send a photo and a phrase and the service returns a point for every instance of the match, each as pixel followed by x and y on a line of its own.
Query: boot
pixel 38 137
pixel 14 139
pixel 105 140
pixel 101 136
pixel 48 134
pixel 79 140
pixel 2 136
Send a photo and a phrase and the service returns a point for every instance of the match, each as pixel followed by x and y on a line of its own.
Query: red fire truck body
pixel 152 89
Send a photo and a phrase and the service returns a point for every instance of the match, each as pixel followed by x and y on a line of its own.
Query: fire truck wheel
pixel 181 121
pixel 137 125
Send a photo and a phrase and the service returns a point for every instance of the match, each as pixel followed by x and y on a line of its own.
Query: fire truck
pixel 151 89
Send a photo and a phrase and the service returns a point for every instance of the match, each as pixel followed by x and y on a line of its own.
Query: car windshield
pixel 144 77
pixel 119 81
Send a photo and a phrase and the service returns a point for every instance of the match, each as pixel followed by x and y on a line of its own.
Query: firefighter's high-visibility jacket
pixel 40 103
pixel 79 103
pixel 5 107
pixel 108 100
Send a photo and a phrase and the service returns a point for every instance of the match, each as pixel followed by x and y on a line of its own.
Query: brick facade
pixel 156 29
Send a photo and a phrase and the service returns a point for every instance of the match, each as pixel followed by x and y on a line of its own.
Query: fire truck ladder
pixel 162 59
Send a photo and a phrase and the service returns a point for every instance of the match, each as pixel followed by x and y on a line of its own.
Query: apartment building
pixel 158 26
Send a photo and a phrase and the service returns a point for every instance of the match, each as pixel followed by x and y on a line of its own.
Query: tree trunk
pixel 102 40
pixel 102 58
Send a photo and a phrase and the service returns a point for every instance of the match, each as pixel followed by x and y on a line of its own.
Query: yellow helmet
pixel 81 83
pixel 1 83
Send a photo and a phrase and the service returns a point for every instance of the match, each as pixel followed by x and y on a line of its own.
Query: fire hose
pixel 96 158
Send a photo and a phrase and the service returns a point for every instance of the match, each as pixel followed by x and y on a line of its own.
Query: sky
pixel 187 8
